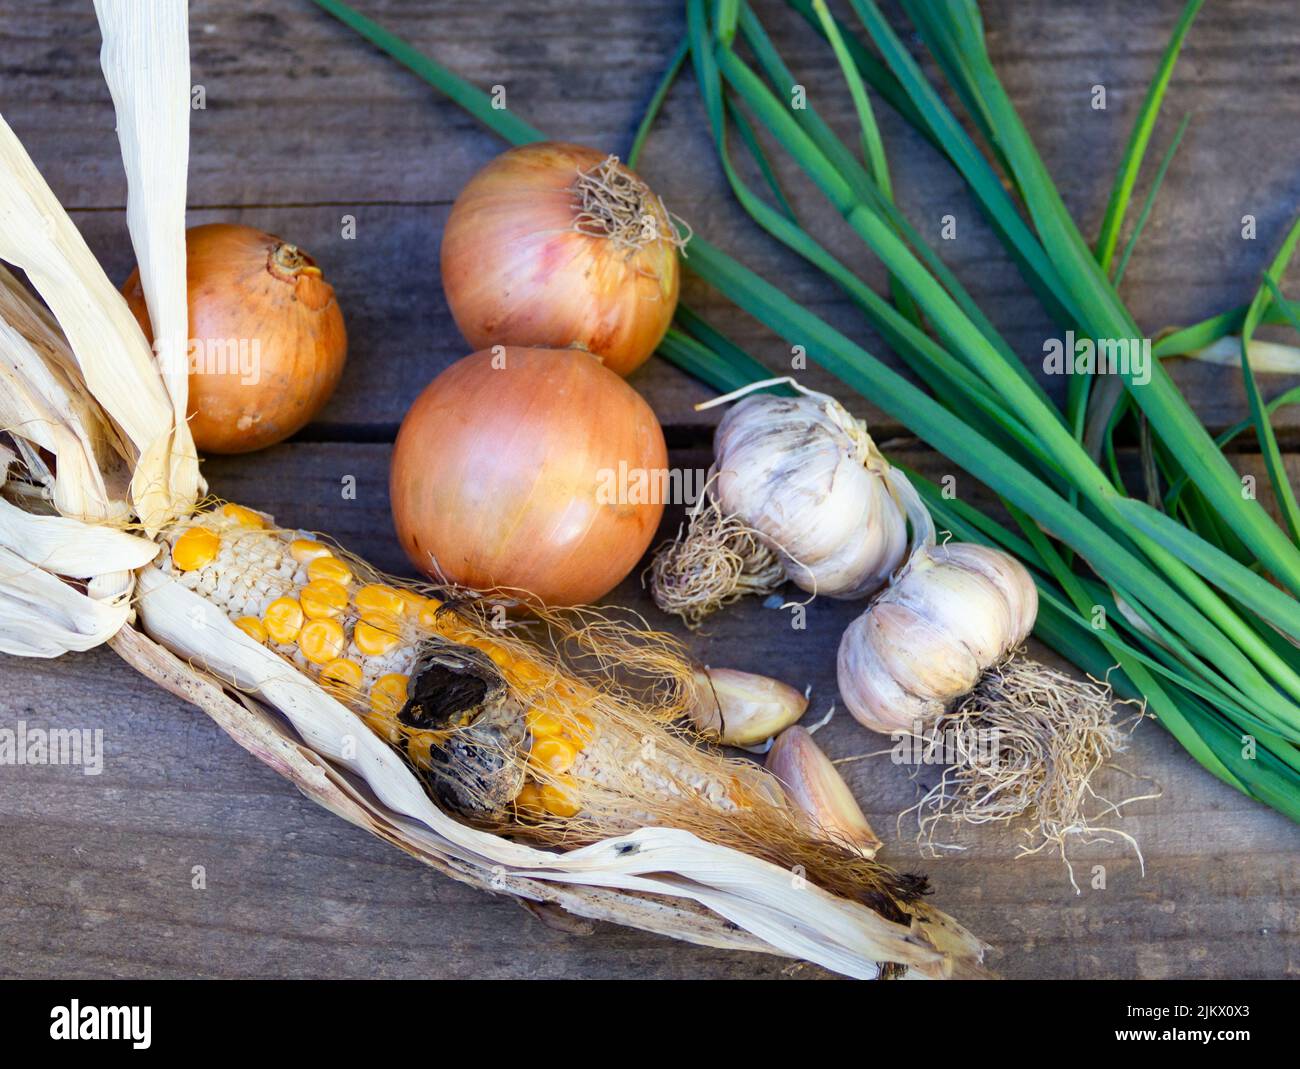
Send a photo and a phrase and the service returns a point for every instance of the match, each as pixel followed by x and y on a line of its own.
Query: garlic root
pixel 936 659
pixel 1025 743
pixel 714 560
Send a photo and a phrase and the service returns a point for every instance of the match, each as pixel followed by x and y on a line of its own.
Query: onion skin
pixel 496 476
pixel 250 286
pixel 515 272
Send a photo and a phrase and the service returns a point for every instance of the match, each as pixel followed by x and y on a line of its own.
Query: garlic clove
pixel 815 787
pixel 924 658
pixel 965 605
pixel 952 613
pixel 1015 584
pixel 741 708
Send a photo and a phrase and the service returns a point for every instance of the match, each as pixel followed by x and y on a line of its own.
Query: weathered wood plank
pixel 401 334
pixel 300 112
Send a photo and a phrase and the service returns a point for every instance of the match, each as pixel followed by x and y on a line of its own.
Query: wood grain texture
pixel 305 124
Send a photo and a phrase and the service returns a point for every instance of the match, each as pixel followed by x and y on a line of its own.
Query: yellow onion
pixel 954 612
pixel 555 245
pixel 267 342
pixel 533 469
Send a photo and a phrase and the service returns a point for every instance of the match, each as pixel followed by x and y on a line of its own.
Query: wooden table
pixel 304 126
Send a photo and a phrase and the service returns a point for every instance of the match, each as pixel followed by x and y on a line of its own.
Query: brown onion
pixel 557 245
pixel 267 341
pixel 527 469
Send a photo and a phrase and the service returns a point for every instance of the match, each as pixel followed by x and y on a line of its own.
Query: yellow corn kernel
pixel 379 605
pixel 304 550
pixel 429 614
pixel 413 600
pixel 195 548
pixel 501 657
pixel 330 568
pixel 321 641
pixel 543 723
pixel 558 801
pixel 526 673
pixel 576 694
pixel 452 627
pixel 529 798
pixel 374 641
pixel 554 717
pixel 554 755
pixel 283 619
pixel 323 599
pixel 341 674
pixel 497 653
pixel 579 728
pixel 242 516
pixel 252 627
pixel 388 693
pixel 416 603
pixel 384 725
pixel 420 746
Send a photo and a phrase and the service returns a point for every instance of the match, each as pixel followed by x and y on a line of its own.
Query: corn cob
pixel 503 734
pixel 644 807
pixel 362 638
pixel 510 737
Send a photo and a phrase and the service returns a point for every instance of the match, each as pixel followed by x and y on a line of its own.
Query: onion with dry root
pixel 799 491
pixel 554 245
pixel 267 341
pixel 529 469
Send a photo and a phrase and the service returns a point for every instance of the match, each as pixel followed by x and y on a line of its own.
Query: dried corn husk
pixel 111 352
pixel 43 399
pixel 761 897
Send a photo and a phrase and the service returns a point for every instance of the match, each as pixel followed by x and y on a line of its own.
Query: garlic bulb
pixel 806 476
pixel 815 787
pixel 933 659
pixel 954 612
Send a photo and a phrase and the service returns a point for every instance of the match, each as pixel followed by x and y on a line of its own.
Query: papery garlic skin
pixel 806 476
pixel 742 708
pixel 955 611
pixel 815 787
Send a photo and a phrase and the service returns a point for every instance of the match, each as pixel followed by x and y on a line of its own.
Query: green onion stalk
pixel 1182 593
